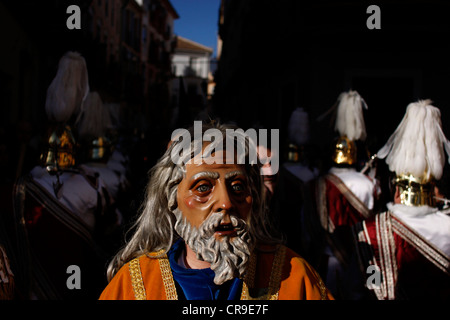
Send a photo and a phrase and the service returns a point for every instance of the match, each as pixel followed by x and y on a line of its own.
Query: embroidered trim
pixel 387 257
pixel 349 195
pixel 275 277
pixel 166 273
pixel 325 219
pixel 385 261
pixel 249 278
pixel 136 280
pixel 323 289
pixel 427 249
pixel 365 253
pixel 386 224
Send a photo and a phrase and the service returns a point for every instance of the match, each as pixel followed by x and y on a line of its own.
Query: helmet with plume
pixel 64 101
pixel 350 126
pixel 415 152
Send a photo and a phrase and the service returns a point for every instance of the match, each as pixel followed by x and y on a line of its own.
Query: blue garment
pixel 198 284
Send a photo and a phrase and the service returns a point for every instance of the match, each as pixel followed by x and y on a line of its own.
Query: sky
pixel 198 21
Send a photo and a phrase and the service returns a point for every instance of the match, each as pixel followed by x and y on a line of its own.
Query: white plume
pixel 298 127
pixel 350 118
pixel 68 89
pixel 417 145
pixel 95 120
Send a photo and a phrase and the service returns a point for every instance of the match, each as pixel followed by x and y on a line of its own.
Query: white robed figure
pixel 61 208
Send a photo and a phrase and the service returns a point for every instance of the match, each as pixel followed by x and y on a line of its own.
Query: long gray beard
pixel 228 256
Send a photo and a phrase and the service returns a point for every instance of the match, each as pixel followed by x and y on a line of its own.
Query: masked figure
pixel 203 232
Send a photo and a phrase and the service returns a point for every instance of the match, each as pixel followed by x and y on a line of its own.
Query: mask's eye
pixel 237 187
pixel 202 188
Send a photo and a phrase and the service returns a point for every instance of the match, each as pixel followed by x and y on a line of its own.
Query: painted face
pixel 209 188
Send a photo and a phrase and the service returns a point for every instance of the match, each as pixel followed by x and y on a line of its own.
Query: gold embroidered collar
pixel 271 293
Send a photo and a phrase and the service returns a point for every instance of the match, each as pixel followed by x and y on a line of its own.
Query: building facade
pixel 137 41
pixel 190 87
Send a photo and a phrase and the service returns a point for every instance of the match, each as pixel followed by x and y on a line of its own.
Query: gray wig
pixel 154 228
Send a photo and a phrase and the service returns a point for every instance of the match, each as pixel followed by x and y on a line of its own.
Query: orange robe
pixel 273 273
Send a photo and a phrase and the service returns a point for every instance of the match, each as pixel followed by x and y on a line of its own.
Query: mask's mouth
pixel 225 229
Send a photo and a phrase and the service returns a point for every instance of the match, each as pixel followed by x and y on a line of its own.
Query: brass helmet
pixel 99 149
pixel 60 150
pixel 350 125
pixel 344 151
pixel 415 191
pixel 293 153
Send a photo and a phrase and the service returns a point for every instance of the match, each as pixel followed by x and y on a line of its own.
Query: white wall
pixel 197 63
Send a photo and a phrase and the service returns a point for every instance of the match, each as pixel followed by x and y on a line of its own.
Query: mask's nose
pixel 223 202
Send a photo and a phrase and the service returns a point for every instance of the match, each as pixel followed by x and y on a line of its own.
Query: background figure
pixel 98 155
pixel 98 152
pixel 408 246
pixel 343 196
pixel 60 208
pixel 119 159
pixel 300 160
pixel 299 168
pixel 442 191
